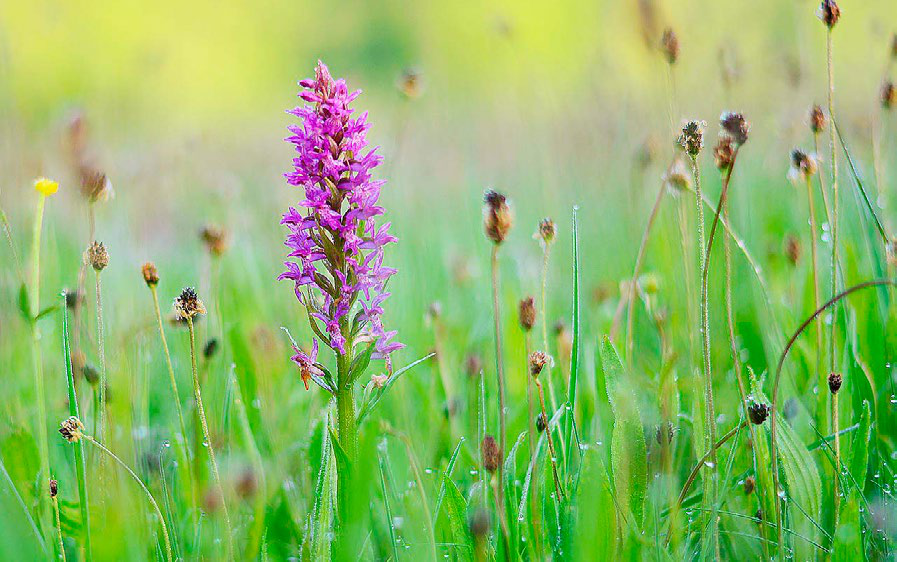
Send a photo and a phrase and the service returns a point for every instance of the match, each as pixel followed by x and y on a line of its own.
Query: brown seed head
pixel 669 44
pixel 829 13
pixel 792 249
pixel 210 348
pixel 527 313
pixel 750 483
pixel 894 46
pixel 491 454
pixel 478 524
pixel 758 412
pixel 95 185
pixel 818 120
pixel 73 299
pixel 54 488
pixel 97 256
pixel 888 95
pixel 724 153
pixel 537 362
pixel 803 166
pixel 692 138
pixel 735 125
pixel 473 365
pixel 834 382
pixel 91 374
pixel 71 429
pixel 677 178
pixel 410 84
pixel 216 239
pixel 150 274
pixel 188 305
pixel 497 216
pixel 547 230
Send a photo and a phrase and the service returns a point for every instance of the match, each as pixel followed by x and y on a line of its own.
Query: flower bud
pixel 97 256
pixel 71 429
pixel 491 454
pixel 834 382
pixel 692 138
pixel 527 313
pixel 669 44
pixel 150 274
pixel 497 217
pixel 829 13
pixel 758 412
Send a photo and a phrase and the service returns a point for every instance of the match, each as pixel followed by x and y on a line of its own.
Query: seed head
pixel 73 299
pixel 497 216
pixel 97 256
pixel 91 375
pixel 54 488
pixel 547 230
pixel 677 178
pixel 71 429
pixel 724 153
pixel 792 248
pixel 803 166
pixel 537 362
pixel 669 44
pixel 216 239
pixel 750 483
pixel 410 84
pixel 834 382
pixel 758 412
pixel 45 186
pixel 491 454
pixel 95 185
pixel 829 13
pixel 188 305
pixel 473 365
pixel 210 348
pixel 527 314
pixel 150 274
pixel 735 126
pixel 541 422
pixel 888 95
pixel 692 138
pixel 818 120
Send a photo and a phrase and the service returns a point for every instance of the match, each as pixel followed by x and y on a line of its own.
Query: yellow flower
pixel 46 187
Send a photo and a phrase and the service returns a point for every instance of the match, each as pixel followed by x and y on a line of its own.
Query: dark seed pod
pixel 724 153
pixel 692 138
pixel 834 382
pixel 491 454
pixel 888 95
pixel 479 524
pixel 734 125
pixel 527 313
pixel 210 348
pixel 497 216
pixel 669 44
pixel 541 422
pixel 97 256
pixel 150 274
pixel 54 488
pixel 792 249
pixel 547 230
pixel 829 13
pixel 818 120
pixel 188 305
pixel 537 362
pixel 758 412
pixel 750 483
pixel 71 429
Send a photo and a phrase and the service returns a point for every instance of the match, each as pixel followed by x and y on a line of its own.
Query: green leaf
pixel 47 311
pixel 368 406
pixel 629 457
pixel 859 453
pixel 24 303
pixel 389 520
pixel 323 509
pixel 570 422
pixel 456 511
pixel 360 363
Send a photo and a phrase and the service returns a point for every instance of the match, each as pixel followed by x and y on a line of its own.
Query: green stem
pixel 500 375
pixel 544 284
pixel 137 479
pixel 58 528
pixel 197 395
pixel 104 422
pixel 347 429
pixel 709 413
pixel 80 465
pixel 41 421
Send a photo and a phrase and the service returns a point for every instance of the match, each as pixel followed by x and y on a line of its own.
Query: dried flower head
pixel 497 216
pixel 74 299
pixel 527 313
pixel 834 382
pixel 491 454
pixel 188 305
pixel 97 256
pixel 541 422
pixel 379 380
pixel 308 363
pixel 478 524
pixel 54 488
pixel 758 412
pixel 803 166
pixel 473 365
pixel 692 138
pixel 210 348
pixel 336 246
pixel 724 153
pixel 669 44
pixel 91 374
pixel 750 483
pixel 216 239
pixel 792 248
pixel 734 125
pixel 537 362
pixel 150 274
pixel 45 186
pixel 818 120
pixel 677 178
pixel 888 95
pixel 410 84
pixel 95 185
pixel 547 230
pixel 829 13
pixel 71 429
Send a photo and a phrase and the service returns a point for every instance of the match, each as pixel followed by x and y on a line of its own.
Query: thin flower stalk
pixel 552 453
pixel 499 370
pixel 55 502
pixel 543 301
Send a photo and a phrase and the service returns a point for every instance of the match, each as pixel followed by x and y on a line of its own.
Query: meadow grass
pixel 655 400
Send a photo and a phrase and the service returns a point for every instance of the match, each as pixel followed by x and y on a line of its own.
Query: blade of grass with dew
pixel 389 519
pixel 80 466
pixel 509 473
pixel 450 467
pixel 570 421
pixel 321 521
pixel 850 536
pixel 629 456
pixel 456 510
